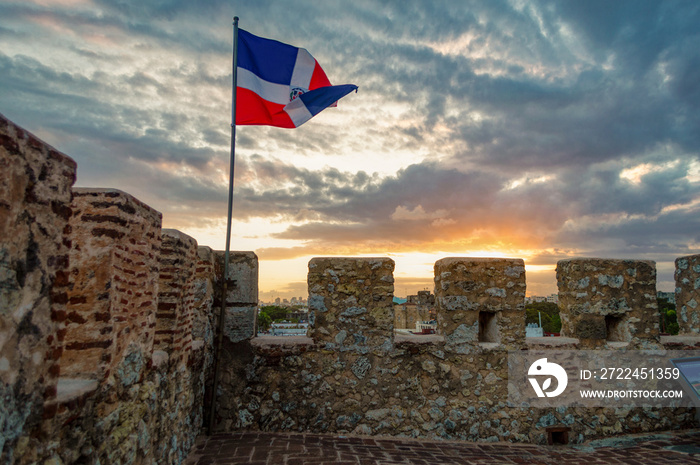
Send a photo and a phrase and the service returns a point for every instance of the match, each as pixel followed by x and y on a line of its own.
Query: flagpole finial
pixel 235 19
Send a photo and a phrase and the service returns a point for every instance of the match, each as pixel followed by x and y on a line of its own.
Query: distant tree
pixel 275 313
pixel 551 322
pixel 264 321
pixel 668 321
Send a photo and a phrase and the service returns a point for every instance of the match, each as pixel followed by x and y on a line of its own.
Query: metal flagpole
pixel 222 312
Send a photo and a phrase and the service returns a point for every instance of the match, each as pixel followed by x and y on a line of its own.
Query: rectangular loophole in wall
pixel 488 327
pixel 558 435
pixel 614 328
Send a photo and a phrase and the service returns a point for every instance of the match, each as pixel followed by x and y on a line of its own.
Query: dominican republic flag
pixel 280 85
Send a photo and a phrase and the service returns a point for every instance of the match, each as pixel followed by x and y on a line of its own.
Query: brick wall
pixel 87 277
pixel 114 281
pixel 35 196
pixel 174 319
pixel 203 298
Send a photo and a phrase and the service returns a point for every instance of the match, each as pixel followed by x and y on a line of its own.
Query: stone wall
pixel 688 294
pixel 35 196
pixel 147 300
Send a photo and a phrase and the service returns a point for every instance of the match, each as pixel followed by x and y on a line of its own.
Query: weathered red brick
pixel 50 392
pixel 76 300
pixel 56 353
pixel 59 298
pixel 75 317
pixel 112 233
pixel 49 411
pixel 88 345
pixel 62 278
pixel 55 370
pixel 61 210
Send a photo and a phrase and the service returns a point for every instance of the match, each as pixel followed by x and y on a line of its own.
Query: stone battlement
pixel 108 321
pixel 354 375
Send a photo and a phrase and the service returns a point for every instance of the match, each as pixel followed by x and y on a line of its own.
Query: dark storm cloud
pixel 297 189
pixel 639 31
pixel 619 102
pixel 601 190
pixel 355 198
pixel 439 202
pixel 23 73
pixel 666 232
pixel 71 104
pixel 153 34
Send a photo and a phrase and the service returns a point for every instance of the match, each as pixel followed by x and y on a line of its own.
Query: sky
pixel 540 130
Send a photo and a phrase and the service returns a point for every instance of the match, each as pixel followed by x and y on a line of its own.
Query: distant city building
pixel 417 309
pixel 552 298
pixel 289 329
pixel 426 327
pixel 295 302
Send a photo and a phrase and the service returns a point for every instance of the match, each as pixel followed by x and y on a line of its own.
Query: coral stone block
pixel 608 300
pixel 688 294
pixel 480 300
pixel 351 303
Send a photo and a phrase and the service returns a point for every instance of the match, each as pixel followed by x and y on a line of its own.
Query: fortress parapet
pixel 351 303
pixel 241 294
pixel 480 300
pixel 688 294
pixel 604 301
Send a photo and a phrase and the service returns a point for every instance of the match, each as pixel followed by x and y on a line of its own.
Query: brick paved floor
pixel 316 449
